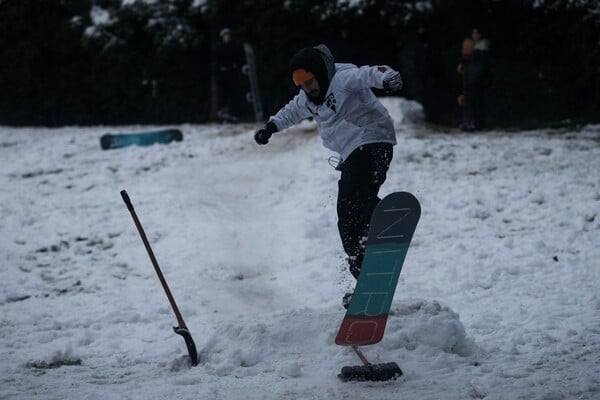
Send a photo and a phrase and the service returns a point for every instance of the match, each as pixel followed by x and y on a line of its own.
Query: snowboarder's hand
pixel 393 83
pixel 263 135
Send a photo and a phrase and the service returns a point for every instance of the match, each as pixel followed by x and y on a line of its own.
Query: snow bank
pixel 497 298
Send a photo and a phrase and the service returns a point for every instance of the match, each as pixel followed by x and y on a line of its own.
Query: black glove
pixel 263 135
pixel 393 84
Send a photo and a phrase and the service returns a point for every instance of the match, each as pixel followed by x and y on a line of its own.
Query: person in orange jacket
pixel 477 77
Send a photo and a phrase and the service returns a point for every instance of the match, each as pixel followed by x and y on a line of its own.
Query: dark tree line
pixel 67 62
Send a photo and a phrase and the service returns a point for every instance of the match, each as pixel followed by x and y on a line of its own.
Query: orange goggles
pixel 300 76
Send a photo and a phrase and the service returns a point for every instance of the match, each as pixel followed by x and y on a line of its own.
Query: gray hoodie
pixel 351 115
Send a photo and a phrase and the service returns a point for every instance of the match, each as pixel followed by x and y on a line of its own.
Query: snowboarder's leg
pixel 363 173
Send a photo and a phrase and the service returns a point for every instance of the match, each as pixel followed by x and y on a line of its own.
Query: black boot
pixel 346 300
pixel 354 264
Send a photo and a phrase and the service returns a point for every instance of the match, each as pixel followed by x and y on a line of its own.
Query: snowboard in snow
pixel 253 96
pixel 115 141
pixel 392 227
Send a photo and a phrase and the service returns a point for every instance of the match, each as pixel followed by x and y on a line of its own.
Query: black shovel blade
pixel 189 342
pixel 371 372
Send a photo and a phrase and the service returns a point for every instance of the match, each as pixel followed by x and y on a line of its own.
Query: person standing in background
pixel 477 77
pixel 228 64
pixel 463 69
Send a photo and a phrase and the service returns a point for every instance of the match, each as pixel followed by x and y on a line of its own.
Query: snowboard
pixel 253 96
pixel 227 118
pixel 393 224
pixel 115 141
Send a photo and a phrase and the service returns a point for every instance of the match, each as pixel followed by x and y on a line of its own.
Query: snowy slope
pixel 497 300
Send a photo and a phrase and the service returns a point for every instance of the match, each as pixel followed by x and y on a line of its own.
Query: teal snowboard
pixel 393 224
pixel 115 141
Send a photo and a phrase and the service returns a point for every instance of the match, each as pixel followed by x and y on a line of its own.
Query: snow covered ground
pixel 498 299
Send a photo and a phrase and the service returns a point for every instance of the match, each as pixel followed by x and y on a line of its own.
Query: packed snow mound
pixel 246 236
pixel 253 346
pixel 402 110
pixel 429 326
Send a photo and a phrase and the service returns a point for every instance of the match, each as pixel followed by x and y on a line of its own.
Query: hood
pixel 320 62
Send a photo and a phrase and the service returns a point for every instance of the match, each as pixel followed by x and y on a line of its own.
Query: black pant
pixel 228 89
pixel 475 106
pixel 363 173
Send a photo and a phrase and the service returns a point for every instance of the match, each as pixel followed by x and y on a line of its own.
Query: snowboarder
pixel 351 122
pixel 229 62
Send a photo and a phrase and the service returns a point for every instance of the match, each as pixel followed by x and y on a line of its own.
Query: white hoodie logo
pixel 330 102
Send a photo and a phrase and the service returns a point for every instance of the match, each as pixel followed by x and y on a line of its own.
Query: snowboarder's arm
pixel 380 77
pixel 292 113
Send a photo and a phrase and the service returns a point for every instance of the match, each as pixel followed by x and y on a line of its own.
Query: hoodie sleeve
pixel 292 113
pixel 365 77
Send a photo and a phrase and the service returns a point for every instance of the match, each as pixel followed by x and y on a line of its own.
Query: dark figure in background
pixel 463 69
pixel 477 75
pixel 229 61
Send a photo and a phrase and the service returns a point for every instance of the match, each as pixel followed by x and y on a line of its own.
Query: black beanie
pixel 311 60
